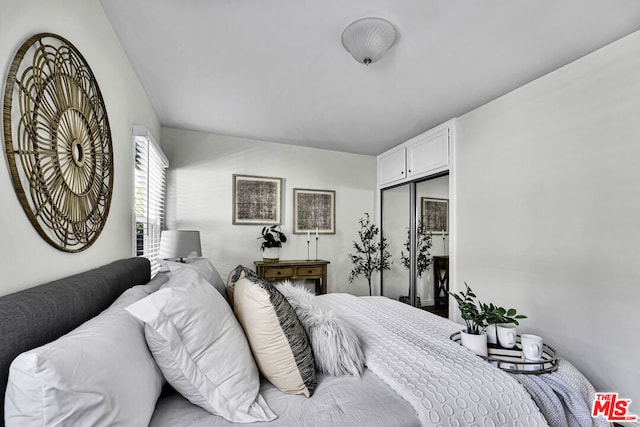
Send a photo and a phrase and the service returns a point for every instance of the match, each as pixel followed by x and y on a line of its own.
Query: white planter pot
pixel 475 343
pixel 271 254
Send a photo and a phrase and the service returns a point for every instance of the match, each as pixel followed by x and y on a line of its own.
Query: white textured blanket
pixel 446 384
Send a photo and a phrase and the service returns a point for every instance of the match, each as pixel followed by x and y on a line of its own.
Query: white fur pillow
pixel 335 345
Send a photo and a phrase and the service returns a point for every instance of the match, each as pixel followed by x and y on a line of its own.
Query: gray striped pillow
pixel 277 338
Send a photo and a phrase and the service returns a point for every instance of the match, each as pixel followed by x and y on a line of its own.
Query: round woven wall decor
pixel 58 142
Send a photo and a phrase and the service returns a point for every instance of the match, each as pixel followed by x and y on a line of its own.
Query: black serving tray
pixel 512 360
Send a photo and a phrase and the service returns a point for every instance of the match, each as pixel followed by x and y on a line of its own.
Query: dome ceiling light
pixel 367 39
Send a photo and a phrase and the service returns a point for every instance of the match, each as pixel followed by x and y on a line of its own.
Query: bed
pixel 415 375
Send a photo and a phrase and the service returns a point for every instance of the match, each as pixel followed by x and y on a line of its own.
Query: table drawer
pixel 276 272
pixel 309 271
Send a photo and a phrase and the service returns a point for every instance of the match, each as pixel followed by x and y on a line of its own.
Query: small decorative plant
pixel 470 311
pixel 495 315
pixel 479 315
pixel 371 255
pixel 272 237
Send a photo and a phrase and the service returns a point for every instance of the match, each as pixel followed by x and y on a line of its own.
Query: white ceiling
pixel 276 70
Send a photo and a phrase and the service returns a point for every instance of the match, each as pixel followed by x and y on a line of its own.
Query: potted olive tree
pixel 273 238
pixel 423 257
pixel 371 253
pixel 473 336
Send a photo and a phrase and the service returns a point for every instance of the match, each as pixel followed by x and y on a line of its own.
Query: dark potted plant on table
pixel 371 254
pixel 273 238
pixel 473 336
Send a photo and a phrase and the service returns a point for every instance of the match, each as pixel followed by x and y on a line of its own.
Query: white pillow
pixel 205 268
pixel 200 348
pixel 99 374
pixel 336 347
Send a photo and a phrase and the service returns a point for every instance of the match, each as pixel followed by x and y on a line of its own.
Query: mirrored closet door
pixel 415 223
pixel 395 229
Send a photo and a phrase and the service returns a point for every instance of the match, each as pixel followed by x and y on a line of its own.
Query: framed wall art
pixel 257 200
pixel 435 215
pixel 314 210
pixel 58 142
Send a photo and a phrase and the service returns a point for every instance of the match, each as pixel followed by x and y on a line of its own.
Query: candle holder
pixel 317 249
pixel 308 251
pixel 444 244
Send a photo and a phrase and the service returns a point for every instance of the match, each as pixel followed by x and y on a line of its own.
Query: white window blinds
pixel 149 197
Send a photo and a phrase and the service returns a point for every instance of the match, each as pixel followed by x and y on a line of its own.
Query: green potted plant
pixel 423 257
pixel 273 238
pixel 495 316
pixel 473 336
pixel 371 254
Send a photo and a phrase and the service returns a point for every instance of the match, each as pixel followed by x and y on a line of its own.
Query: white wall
pixel 26 259
pixel 548 213
pixel 199 196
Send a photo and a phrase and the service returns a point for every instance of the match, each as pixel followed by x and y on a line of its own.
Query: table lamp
pixel 179 244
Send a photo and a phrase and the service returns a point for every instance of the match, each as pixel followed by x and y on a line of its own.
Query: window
pixel 150 165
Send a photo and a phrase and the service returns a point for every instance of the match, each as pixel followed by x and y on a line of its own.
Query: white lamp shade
pixel 367 39
pixel 179 244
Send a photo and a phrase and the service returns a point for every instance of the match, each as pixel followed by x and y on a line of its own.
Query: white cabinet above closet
pixel 423 155
pixel 392 166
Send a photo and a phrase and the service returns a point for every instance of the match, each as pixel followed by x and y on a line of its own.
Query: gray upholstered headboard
pixel 36 316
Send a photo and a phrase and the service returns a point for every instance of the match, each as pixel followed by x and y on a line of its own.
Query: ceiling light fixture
pixel 367 39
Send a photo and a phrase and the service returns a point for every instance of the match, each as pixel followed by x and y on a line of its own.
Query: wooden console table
pixel 295 270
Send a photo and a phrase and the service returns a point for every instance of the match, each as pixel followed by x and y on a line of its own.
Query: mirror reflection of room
pixel 395 223
pixel 431 218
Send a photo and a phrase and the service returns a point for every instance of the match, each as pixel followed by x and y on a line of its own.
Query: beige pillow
pixel 278 340
pixel 236 274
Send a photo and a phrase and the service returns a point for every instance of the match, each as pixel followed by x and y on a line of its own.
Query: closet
pixel 415 218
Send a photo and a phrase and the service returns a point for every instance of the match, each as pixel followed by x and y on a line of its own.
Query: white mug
pixel 507 335
pixel 491 334
pixel 531 346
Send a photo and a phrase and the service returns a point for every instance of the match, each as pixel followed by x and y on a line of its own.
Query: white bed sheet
pixel 446 384
pixel 338 401
pixel 415 376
